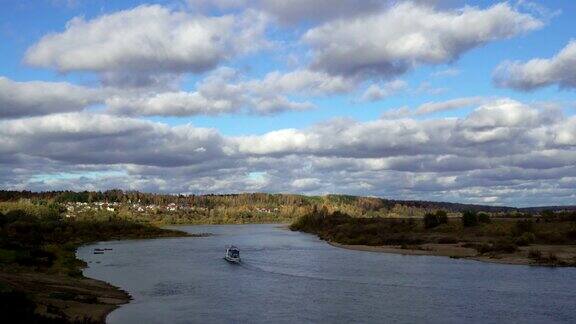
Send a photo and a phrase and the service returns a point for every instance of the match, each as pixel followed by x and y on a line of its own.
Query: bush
pixel 523 226
pixel 435 220
pixel 535 254
pixel 502 246
pixel 442 217
pixel 549 259
pixel 430 221
pixel 526 239
pixel 552 258
pixel 469 218
pixel 483 218
pixel 447 240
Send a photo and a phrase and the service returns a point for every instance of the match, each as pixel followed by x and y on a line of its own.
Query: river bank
pixel 41 278
pixel 64 298
pixel 550 241
pixel 463 251
pixel 66 295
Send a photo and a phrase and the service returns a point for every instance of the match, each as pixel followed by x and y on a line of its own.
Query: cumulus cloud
pixel 516 152
pixel 293 11
pixel 224 91
pixel 433 107
pixel 502 113
pixel 304 81
pixel 390 42
pixel 297 10
pixel 90 138
pixel 306 184
pixel 375 92
pixel 18 99
pixel 148 39
pixel 170 104
pixel 538 73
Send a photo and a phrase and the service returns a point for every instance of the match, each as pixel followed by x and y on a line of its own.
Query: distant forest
pixel 250 207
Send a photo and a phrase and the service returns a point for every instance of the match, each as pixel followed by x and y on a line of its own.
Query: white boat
pixel 232 254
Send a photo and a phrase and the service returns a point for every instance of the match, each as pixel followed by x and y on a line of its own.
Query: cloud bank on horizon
pixel 433 100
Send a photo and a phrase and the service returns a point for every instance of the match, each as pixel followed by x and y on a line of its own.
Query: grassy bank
pixel 473 235
pixel 40 276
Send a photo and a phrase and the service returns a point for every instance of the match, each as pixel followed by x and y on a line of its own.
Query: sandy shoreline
pixel 458 251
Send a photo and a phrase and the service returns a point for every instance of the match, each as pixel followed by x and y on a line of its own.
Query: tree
pixel 442 216
pixel 469 218
pixel 483 217
pixel 435 220
pixel 430 220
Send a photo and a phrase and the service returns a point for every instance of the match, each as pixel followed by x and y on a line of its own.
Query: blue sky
pixel 255 86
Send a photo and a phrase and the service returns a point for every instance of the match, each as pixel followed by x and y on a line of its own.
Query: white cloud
pixel 306 184
pixel 538 73
pixel 433 107
pixel 390 42
pixel 293 11
pixel 303 82
pixel 18 99
pixel 224 91
pixel 375 92
pixel 520 153
pixel 170 104
pixel 449 72
pixel 502 151
pixel 502 113
pixel 148 39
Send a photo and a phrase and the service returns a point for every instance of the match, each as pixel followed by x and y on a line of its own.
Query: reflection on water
pixel 289 277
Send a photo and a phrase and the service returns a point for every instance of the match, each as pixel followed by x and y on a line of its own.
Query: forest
pixel 242 208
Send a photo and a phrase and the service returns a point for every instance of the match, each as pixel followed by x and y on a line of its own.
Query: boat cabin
pixel 232 254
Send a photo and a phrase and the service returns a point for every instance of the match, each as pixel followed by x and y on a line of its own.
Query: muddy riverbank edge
pixel 61 296
pixel 71 298
pixel 458 251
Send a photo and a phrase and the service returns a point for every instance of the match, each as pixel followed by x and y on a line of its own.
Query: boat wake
pixel 251 266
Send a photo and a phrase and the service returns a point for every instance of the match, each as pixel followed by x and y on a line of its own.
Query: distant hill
pixel 354 204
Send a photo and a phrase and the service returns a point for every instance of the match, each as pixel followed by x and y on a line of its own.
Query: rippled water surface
pixel 290 277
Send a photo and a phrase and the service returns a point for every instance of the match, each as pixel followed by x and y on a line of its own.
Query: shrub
pixel 447 240
pixel 442 216
pixel 552 258
pixel 435 220
pixel 535 254
pixel 469 218
pixel 430 221
pixel 505 247
pixel 411 222
pixel 549 259
pixel 483 218
pixel 571 235
pixel 526 239
pixel 502 246
pixel 481 248
pixel 547 214
pixel 523 226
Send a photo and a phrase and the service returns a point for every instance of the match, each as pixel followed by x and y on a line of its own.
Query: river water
pixel 291 277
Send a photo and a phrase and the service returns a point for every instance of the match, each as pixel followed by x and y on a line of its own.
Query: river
pixel 291 277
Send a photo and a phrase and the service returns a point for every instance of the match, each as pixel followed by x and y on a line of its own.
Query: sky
pixel 442 100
